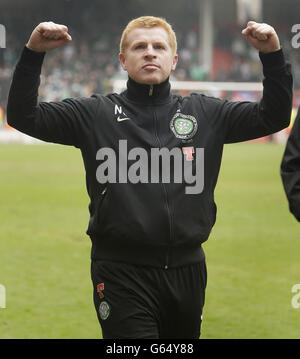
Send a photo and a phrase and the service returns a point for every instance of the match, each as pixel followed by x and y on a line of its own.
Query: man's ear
pixel 175 60
pixel 122 61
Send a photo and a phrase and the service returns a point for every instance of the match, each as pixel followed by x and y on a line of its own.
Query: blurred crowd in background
pixel 89 63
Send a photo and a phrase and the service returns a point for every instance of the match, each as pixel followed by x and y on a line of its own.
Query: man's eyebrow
pixel 156 42
pixel 160 42
pixel 138 42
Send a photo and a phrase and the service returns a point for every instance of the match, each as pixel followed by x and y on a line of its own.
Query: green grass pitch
pixel 253 253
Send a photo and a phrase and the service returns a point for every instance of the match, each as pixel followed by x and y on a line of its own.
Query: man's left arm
pixel 249 120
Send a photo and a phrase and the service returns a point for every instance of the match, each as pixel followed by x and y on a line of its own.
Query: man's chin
pixel 151 80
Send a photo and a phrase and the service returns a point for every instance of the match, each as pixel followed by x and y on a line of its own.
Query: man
pixel 152 160
pixel 290 168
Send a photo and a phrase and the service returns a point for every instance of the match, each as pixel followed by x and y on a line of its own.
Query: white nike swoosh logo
pixel 122 119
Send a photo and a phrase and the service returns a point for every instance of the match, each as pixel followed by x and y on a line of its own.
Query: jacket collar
pixel 148 93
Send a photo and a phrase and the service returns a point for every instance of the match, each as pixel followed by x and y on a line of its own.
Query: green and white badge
pixel 183 126
pixel 104 310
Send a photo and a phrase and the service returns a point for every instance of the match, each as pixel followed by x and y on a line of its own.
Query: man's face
pixel 148 58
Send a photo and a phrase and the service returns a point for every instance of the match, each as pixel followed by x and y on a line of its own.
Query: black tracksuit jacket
pixel 154 224
pixel 290 168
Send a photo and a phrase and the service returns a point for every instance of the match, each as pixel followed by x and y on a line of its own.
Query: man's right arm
pixel 66 122
pixel 290 169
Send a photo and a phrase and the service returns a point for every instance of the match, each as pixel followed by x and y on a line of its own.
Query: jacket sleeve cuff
pixel 31 58
pixel 272 59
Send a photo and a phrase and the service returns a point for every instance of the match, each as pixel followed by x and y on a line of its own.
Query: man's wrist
pixel 274 50
pixel 32 48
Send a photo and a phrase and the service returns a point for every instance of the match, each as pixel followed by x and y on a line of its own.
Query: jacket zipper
pixel 102 196
pixel 151 90
pixel 167 202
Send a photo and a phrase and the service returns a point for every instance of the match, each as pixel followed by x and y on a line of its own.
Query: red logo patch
pixel 188 152
pixel 100 289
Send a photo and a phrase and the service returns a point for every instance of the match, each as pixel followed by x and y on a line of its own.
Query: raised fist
pixel 262 36
pixel 48 36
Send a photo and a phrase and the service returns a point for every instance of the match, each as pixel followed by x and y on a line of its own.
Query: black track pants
pixel 135 302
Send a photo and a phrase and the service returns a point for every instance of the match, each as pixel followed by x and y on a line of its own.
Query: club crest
pixel 104 310
pixel 183 126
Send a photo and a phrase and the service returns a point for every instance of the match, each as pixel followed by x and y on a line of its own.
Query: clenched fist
pixel 48 36
pixel 262 36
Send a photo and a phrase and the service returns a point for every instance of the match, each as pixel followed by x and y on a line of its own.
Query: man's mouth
pixel 150 66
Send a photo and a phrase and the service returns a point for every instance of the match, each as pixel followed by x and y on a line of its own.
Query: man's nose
pixel 150 52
